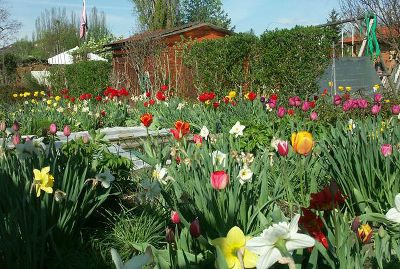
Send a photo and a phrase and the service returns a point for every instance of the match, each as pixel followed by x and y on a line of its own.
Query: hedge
pixel 82 77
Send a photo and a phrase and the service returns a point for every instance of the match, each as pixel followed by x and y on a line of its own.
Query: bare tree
pixel 8 26
pixel 387 13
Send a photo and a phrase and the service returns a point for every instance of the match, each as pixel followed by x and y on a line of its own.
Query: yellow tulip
pixel 58 98
pixel 21 94
pixel 232 94
pixel 234 250
pixel 55 104
pixel 348 89
pixel 36 94
pixel 340 88
pixel 15 95
pixel 42 92
pixel 330 84
pixel 43 180
pixel 49 102
pixel 207 102
pixel 302 142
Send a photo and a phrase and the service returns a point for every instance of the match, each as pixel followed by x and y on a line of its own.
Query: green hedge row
pixel 80 78
pixel 288 60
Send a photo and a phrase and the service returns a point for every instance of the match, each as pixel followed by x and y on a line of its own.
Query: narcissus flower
pixel 43 180
pixel 146 119
pixel 204 132
pixel 233 246
pixel 394 213
pixel 302 142
pixel 245 175
pixel 276 241
pixel 237 129
pixel 219 158
pixel 219 180
pixel 105 178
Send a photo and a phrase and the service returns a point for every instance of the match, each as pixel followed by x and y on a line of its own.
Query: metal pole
pixel 352 40
pixel 334 68
pixel 342 43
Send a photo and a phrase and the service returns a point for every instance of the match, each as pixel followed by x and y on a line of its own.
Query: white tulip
pixel 394 213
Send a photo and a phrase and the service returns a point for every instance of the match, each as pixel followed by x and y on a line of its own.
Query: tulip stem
pixel 301 178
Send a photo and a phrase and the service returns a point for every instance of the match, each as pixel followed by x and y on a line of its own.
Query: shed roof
pixel 169 32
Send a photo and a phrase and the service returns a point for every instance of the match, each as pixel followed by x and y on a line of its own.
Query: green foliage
pixel 291 60
pixel 205 10
pixel 31 83
pixel 81 78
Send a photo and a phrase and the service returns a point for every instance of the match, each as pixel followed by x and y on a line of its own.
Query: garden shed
pixel 166 69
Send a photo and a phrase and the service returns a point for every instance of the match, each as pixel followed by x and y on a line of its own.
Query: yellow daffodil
pixel 42 92
pixel 387 101
pixel 36 94
pixel 15 95
pixel 55 104
pixel 43 180
pixel 237 256
pixel 330 84
pixel 207 102
pixel 33 101
pixel 49 102
pixel 302 142
pixel 348 89
pixel 246 96
pixel 340 88
pixel 232 94
pixel 21 95
pixel 58 98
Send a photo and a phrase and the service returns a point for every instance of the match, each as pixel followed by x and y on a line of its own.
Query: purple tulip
pixel 314 116
pixel 396 109
pixel 281 112
pixel 262 99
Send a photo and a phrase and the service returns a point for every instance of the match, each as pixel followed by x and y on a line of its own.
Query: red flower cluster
pixel 313 225
pixel 164 88
pixel 85 96
pixel 181 129
pixel 207 96
pixel 111 93
pixel 64 92
pixel 160 96
pixel 325 200
pixel 274 97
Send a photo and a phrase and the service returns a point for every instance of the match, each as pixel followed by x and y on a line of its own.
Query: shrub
pixel 81 78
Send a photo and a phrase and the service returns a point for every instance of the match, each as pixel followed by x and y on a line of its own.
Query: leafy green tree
pixel 205 10
pixel 335 17
pixel 157 14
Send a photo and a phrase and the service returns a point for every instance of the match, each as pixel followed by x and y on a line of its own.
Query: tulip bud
pixel 262 99
pixel 375 109
pixel 85 138
pixel 67 131
pixel 378 97
pixel 386 150
pixel 355 224
pixel 198 140
pixel 53 129
pixel 174 217
pixel 3 126
pixel 396 109
pixel 15 126
pixel 283 148
pixel 219 180
pixel 170 235
pixel 195 229
pixel 314 116
pixel 16 139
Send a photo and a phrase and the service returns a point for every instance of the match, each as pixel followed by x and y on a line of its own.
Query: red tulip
pixel 164 88
pixel 146 119
pixel 312 104
pixel 174 217
pixel 103 113
pixel 160 96
pixel 396 109
pixel 195 229
pixel 53 129
pixel 216 104
pixel 146 104
pixel 148 94
pixel 219 180
pixel 290 111
pixel 72 99
pixel 152 102
pixel 88 96
pixel 98 98
pixel 252 96
pixel 281 112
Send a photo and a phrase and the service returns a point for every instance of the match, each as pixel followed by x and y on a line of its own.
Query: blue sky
pixel 245 14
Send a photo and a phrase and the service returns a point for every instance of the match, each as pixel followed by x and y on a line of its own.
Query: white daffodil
pixel 204 132
pixel 159 173
pixel 237 129
pixel 218 156
pixel 247 158
pixel 105 178
pixel 180 106
pixel 268 108
pixel 394 213
pixel 376 87
pixel 278 238
pixel 245 175
pixel 352 125
pixel 274 143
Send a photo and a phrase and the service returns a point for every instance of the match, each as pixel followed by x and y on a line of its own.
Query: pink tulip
pixel 305 106
pixel 362 103
pixel 375 109
pixel 15 126
pixel 396 109
pixel 85 138
pixel 346 106
pixel 386 150
pixel 272 103
pixel 314 116
pixel 198 140
pixel 16 139
pixel 195 230
pixel 283 148
pixel 378 97
pixel 337 100
pixel 53 129
pixel 67 131
pixel 281 112
pixel 353 103
pixel 3 126
pixel 294 101
pixel 219 180
pixel 174 217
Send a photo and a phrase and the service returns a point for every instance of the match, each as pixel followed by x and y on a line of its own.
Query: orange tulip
pixel 302 142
